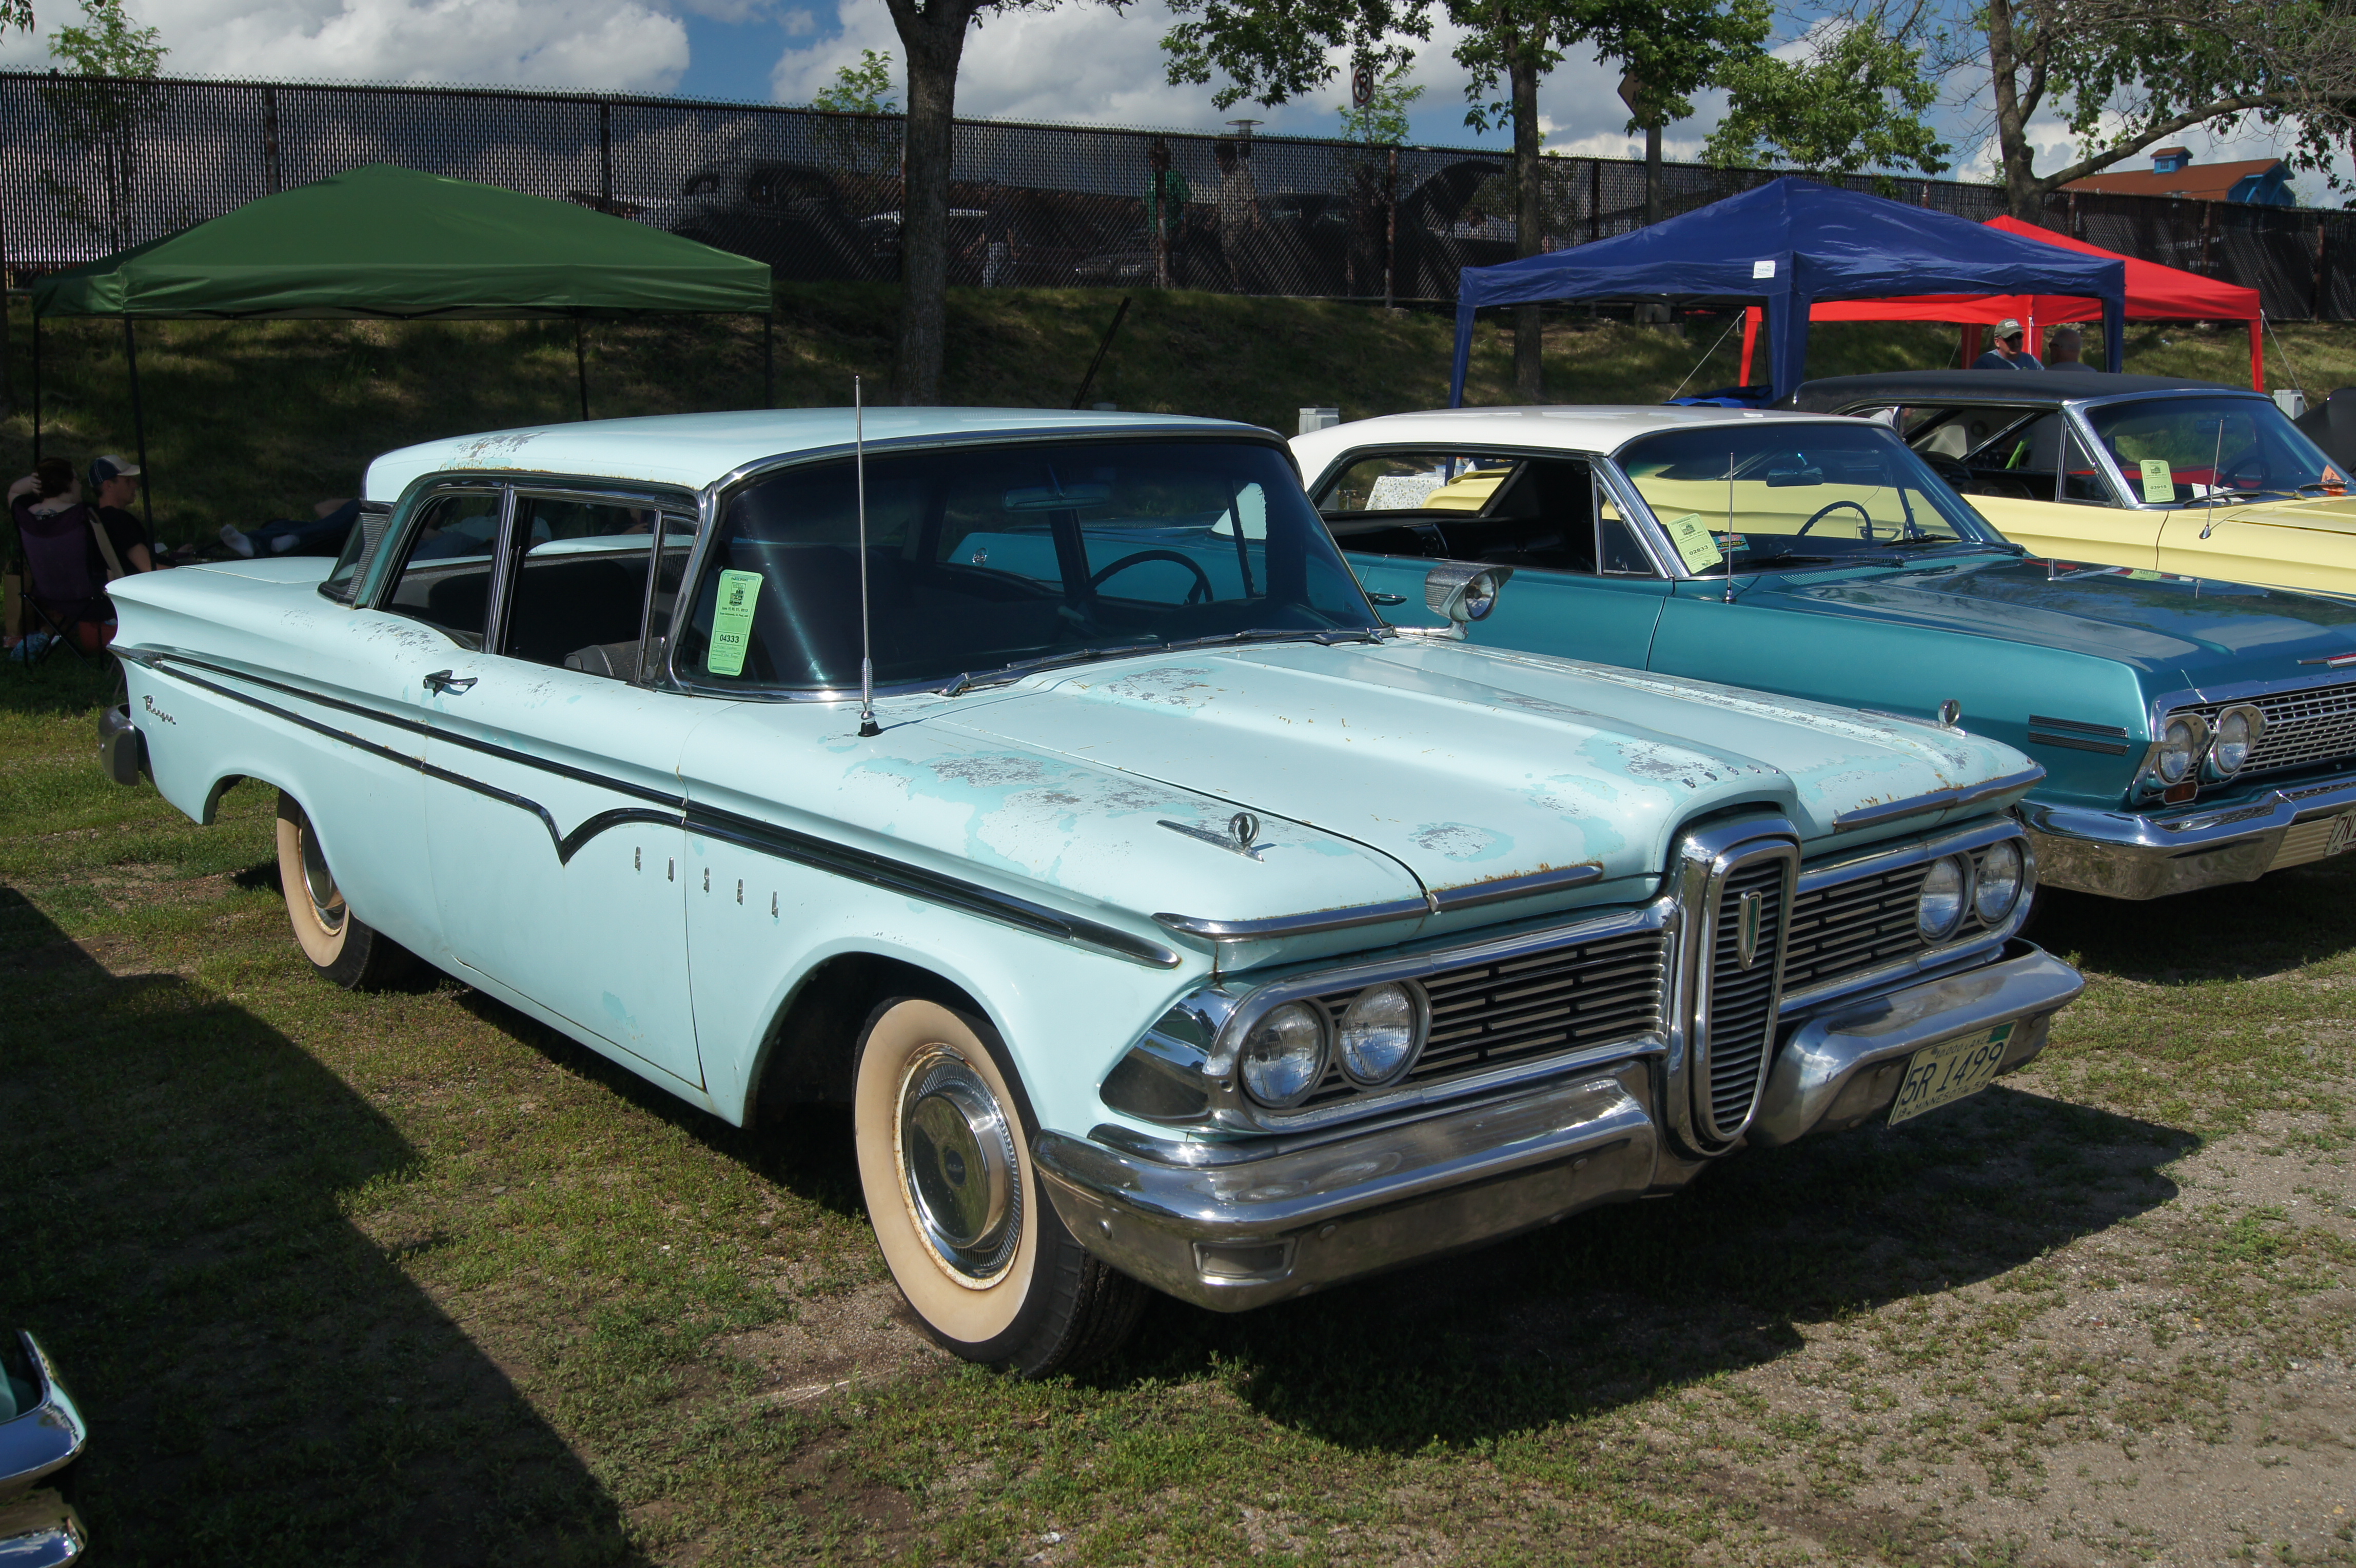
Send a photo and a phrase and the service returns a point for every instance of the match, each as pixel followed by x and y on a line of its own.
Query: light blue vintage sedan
pixel 1174 921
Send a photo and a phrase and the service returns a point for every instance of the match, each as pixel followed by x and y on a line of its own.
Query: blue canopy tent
pixel 1785 246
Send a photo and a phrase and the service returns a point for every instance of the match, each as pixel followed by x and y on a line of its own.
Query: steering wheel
pixel 1825 510
pixel 1202 593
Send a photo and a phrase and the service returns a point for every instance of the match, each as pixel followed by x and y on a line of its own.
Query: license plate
pixel 1946 1072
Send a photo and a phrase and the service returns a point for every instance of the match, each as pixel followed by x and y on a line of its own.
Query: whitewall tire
pixel 340 945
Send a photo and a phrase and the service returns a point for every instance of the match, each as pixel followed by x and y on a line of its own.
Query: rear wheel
pixel 943 1138
pixel 340 946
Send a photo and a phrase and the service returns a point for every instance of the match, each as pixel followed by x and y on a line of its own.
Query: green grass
pixel 248 421
pixel 406 1278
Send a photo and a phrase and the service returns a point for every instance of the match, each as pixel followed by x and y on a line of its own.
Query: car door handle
pixel 448 681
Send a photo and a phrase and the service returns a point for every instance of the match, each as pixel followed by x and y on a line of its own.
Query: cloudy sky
pixel 1077 62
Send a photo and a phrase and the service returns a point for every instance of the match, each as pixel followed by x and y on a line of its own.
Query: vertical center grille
pixel 1738 1009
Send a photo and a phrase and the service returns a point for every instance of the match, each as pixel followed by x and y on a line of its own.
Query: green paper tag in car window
pixel 732 622
pixel 2158 481
pixel 1693 544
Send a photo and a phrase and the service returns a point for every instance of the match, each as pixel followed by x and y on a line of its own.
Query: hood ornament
pixel 1951 713
pixel 1241 837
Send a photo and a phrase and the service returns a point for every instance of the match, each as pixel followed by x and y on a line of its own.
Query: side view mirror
pixel 1465 594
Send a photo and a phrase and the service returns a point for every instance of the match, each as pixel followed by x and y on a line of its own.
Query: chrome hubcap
pixel 326 903
pixel 957 1156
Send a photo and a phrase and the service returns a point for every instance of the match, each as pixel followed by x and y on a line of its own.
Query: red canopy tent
pixel 2153 293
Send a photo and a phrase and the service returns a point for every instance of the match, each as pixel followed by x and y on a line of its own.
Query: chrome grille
pixel 1742 1000
pixel 1852 927
pixel 1522 1008
pixel 2303 728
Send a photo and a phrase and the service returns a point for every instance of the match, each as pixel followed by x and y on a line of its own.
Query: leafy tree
pixel 1855 101
pixel 100 107
pixel 862 88
pixel 2123 75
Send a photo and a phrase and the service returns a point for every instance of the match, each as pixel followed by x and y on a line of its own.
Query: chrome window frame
pixel 714 496
pixel 665 500
pixel 1604 480
pixel 1658 535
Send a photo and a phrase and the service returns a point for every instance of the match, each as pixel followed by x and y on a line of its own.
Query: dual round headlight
pixel 2182 742
pixel 2236 737
pixel 1380 1031
pixel 1992 890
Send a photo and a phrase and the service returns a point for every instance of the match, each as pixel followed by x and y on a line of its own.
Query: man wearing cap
pixel 2007 354
pixel 114 485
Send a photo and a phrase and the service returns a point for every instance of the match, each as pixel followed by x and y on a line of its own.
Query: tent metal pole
pixel 37 384
pixel 580 366
pixel 769 359
pixel 139 436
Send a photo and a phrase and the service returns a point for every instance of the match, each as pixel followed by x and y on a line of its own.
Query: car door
pixel 2032 474
pixel 553 802
pixel 1583 585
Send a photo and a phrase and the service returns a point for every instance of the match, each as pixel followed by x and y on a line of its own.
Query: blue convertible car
pixel 2192 731
pixel 1172 919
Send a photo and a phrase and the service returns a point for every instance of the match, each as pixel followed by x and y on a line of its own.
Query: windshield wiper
pixel 1747 563
pixel 970 681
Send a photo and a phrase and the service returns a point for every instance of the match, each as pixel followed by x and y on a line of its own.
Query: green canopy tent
pixel 387 244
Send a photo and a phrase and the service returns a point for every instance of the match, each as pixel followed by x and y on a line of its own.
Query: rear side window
pixel 1542 513
pixel 445 580
pixel 578 594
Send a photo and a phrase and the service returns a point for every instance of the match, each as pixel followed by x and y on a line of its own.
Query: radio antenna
pixel 867 725
pixel 1726 593
pixel 2209 517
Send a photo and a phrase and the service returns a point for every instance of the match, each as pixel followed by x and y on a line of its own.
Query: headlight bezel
pixel 1419 1034
pixel 2212 765
pixel 1324 1056
pixel 1964 868
pixel 2194 750
pixel 2016 850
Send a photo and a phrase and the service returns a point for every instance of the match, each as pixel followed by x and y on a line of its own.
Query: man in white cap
pixel 2007 354
pixel 114 485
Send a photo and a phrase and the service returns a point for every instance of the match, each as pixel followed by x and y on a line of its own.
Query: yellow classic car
pixel 2147 472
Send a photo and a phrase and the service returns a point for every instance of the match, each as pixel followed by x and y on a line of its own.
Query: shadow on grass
pixel 59 686
pixel 1612 1306
pixel 2250 928
pixel 264 1383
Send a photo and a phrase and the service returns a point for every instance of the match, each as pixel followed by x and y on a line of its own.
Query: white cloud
pixel 624 45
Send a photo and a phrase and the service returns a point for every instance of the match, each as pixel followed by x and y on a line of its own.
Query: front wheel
pixel 353 954
pixel 944 1142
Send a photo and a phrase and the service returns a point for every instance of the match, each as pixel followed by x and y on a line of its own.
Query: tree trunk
pixel 935 40
pixel 1529 373
pixel 2024 193
pixel 1652 172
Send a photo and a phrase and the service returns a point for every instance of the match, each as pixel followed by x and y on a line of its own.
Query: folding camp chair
pixel 60 590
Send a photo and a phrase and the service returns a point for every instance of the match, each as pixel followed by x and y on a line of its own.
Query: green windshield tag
pixel 732 622
pixel 2158 481
pixel 1693 543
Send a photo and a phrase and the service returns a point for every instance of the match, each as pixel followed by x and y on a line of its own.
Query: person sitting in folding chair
pixel 69 557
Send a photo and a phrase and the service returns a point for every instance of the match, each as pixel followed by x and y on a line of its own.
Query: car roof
pixel 1572 427
pixel 691 450
pixel 2046 388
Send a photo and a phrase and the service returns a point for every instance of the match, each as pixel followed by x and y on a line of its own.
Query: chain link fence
pixel 93 166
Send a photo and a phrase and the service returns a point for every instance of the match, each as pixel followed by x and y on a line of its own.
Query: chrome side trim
pixel 1473 894
pixel 1938 800
pixel 1276 925
pixel 785 843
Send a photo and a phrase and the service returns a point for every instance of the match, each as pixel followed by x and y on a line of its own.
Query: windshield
pixel 981 557
pixel 2178 449
pixel 1765 491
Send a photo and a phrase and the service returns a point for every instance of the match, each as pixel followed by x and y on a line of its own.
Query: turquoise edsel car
pixel 1174 921
pixel 2194 732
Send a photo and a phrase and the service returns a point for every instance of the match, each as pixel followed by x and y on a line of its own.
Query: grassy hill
pixel 250 421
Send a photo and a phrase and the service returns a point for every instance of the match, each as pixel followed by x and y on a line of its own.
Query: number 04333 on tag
pixel 1942 1074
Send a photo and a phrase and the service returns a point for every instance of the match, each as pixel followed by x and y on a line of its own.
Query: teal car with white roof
pixel 2194 732
pixel 1170 921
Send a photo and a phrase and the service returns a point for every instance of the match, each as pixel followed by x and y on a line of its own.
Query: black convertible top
pixel 2032 388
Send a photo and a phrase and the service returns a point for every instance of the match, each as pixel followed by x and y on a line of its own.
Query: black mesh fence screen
pixel 94 166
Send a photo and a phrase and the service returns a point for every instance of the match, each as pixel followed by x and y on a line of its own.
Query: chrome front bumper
pixel 2127 854
pixel 39 1528
pixel 1232 1226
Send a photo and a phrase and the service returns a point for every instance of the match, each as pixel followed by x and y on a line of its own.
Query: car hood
pixel 2332 514
pixel 1471 764
pixel 2190 628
